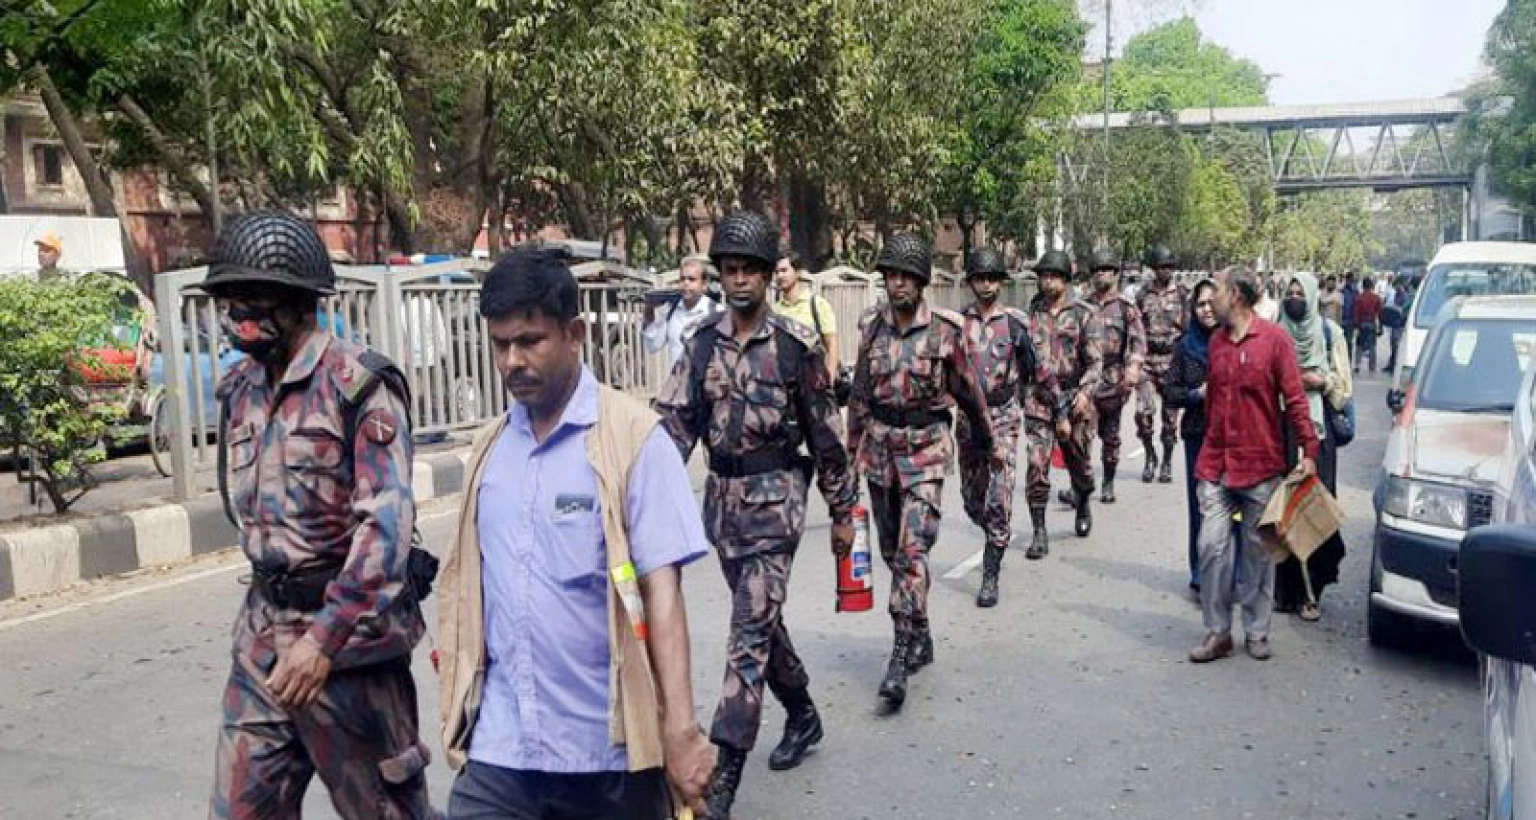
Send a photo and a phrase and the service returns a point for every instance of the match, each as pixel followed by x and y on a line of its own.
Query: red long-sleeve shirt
pixel 1367 309
pixel 1251 379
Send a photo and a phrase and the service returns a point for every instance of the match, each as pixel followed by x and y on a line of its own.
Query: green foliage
pixel 45 405
pixel 1327 231
pixel 1172 67
pixel 1505 119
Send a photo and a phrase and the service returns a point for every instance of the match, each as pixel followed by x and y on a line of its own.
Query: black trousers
pixel 485 792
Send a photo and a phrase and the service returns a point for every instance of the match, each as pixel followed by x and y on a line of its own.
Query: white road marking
pixel 1137 453
pixel 157 586
pixel 965 566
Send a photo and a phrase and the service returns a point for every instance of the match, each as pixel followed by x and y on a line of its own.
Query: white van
pixel 1463 269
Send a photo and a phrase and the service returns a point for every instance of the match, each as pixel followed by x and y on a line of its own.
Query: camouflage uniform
pixel 898 424
pixel 1124 347
pixel 1069 341
pixel 309 506
pixel 1004 362
pixel 1164 313
pixel 746 407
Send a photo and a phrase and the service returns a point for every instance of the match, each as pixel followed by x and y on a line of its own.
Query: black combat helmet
pixel 906 253
pixel 746 234
pixel 1104 260
pixel 1054 262
pixel 270 247
pixel 1160 257
pixel 986 261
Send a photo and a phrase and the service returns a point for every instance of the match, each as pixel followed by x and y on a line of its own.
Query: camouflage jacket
pixel 1164 314
pixel 743 403
pixel 1069 339
pixel 1124 345
pixel 305 503
pixel 924 370
pixel 1001 353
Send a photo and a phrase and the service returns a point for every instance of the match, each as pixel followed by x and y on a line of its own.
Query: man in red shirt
pixel 1367 323
pixel 1254 373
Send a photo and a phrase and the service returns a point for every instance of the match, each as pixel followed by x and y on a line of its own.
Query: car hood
pixel 1460 446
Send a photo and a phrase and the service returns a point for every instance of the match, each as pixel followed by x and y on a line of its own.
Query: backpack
pixel 698 364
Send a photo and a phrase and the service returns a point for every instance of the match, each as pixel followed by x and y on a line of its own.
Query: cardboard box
pixel 1301 515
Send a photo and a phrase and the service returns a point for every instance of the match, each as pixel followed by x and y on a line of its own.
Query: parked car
pixel 1497 574
pixel 1444 459
pixel 1461 269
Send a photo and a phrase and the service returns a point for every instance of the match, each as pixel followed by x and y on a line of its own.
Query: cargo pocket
pixel 404 784
pixel 763 512
pixel 313 460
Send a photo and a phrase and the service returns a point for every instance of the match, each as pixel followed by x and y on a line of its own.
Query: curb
pixel 49 558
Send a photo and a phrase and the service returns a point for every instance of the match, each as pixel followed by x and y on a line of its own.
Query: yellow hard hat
pixel 51 241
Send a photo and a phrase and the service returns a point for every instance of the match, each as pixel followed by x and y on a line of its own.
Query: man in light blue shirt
pixel 667 327
pixel 540 747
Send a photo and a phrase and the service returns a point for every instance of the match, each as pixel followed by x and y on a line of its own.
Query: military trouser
pixel 1076 451
pixel 759 650
pixel 1109 409
pixel 907 524
pixel 360 736
pixel 988 494
pixel 1149 397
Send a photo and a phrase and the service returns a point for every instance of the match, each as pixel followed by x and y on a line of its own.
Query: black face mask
pixel 252 331
pixel 1295 308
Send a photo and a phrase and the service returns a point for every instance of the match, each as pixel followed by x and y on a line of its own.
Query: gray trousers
pixel 1224 558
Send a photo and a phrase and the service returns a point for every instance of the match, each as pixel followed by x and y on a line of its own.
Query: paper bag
pixel 1300 516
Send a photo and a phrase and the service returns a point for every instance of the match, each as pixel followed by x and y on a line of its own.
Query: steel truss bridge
pixel 1404 144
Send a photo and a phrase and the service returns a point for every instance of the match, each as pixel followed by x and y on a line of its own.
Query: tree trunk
pixel 753 192
pixel 810 226
pixel 577 204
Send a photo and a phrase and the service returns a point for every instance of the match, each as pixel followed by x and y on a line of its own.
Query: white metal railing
pixel 427 320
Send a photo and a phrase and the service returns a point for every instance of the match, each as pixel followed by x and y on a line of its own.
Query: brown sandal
pixel 1311 612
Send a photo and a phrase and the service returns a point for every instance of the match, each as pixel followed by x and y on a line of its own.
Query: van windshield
pixel 1476 365
pixel 1446 282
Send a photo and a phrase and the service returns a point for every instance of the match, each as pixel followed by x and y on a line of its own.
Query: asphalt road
pixel 1073 698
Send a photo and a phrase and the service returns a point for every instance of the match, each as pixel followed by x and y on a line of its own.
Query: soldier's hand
pixel 690 761
pixel 300 675
pixel 1080 406
pixel 1063 429
pixel 842 540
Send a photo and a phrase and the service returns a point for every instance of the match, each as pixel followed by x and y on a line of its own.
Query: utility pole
pixel 1109 42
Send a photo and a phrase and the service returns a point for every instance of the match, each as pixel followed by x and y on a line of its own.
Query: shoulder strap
pixel 380 371
pixel 861 371
pixel 698 365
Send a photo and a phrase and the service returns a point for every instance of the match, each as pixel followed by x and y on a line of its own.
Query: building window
pixel 48 162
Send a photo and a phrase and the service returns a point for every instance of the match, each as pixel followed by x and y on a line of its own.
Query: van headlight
pixel 1426 502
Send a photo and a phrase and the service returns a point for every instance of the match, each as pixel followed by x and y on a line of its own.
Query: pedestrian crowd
pixel 562 642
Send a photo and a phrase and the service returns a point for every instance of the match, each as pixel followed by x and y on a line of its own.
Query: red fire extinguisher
pixel 855 582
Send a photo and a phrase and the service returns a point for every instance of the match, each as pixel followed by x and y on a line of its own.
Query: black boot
pixel 722 787
pixel 1149 472
pixel 1165 476
pixel 1041 545
pixel 1107 494
pixel 802 730
pixel 1084 523
pixel 893 690
pixel 920 650
pixel 1067 497
pixel 991 565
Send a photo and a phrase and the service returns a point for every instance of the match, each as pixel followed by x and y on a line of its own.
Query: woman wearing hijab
pixel 1297 589
pixel 1185 389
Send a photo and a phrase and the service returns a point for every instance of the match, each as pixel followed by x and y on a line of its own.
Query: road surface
pixel 1071 699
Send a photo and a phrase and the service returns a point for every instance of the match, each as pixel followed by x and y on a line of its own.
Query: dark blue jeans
pixel 1192 455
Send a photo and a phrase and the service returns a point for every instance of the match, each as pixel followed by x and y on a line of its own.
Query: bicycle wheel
pixel 160 436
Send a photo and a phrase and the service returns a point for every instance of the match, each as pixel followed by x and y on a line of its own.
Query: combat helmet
pixel 271 247
pixel 986 261
pixel 906 253
pixel 746 234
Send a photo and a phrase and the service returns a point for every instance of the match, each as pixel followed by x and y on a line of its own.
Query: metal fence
pixel 427 319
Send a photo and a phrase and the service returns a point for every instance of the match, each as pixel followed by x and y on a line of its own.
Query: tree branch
pixel 174 158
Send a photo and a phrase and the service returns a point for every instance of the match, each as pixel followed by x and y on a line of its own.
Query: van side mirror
pixel 1496 571
pixel 1395 401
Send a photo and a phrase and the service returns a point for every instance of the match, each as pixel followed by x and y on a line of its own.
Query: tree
pixel 1326 231
pixel 45 407
pixel 1172 67
pixel 1505 115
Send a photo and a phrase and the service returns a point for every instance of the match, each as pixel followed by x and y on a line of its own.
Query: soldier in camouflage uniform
pixel 1059 409
pixel 912 367
pixel 318 476
pixel 1163 304
pixel 1124 349
pixel 1004 360
pixel 752 385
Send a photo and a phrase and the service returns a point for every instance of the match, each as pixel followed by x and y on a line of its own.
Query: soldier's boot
pixel 920 650
pixel 893 690
pixel 722 787
pixel 1149 472
pixel 1107 493
pixel 991 565
pixel 802 730
pixel 1067 497
pixel 1084 523
pixel 1165 476
pixel 1041 545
